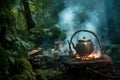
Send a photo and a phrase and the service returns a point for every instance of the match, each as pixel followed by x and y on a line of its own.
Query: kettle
pixel 84 46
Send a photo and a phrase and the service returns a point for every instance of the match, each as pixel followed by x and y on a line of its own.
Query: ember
pixel 93 55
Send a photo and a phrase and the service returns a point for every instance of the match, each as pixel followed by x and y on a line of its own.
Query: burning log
pixel 93 55
pixel 98 67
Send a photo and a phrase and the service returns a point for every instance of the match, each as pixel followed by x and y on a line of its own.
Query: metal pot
pixel 84 46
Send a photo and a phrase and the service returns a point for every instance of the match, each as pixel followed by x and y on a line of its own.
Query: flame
pixel 93 55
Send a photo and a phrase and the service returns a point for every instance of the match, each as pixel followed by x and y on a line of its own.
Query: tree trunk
pixel 110 19
pixel 116 12
pixel 27 13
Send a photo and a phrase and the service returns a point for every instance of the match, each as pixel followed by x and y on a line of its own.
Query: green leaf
pixel 26 45
pixel 12 59
pixel 10 37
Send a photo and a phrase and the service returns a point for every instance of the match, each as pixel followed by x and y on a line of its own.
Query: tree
pixel 27 14
pixel 12 44
pixel 110 19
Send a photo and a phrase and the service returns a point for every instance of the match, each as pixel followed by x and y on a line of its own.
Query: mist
pixel 84 15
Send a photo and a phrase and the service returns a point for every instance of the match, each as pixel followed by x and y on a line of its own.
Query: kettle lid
pixel 84 39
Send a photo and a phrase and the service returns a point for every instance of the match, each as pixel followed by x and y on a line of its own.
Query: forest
pixel 32 31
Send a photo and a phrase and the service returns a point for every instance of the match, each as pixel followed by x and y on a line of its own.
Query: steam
pixel 79 15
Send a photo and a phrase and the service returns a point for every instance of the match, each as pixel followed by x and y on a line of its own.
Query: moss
pixel 25 75
pixel 25 63
pixel 42 73
pixel 26 72
pixel 48 74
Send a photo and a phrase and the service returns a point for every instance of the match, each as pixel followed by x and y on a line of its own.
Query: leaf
pixel 10 37
pixel 32 45
pixel 18 38
pixel 26 45
pixel 12 59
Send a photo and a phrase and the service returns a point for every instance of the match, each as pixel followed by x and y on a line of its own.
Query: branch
pixel 97 72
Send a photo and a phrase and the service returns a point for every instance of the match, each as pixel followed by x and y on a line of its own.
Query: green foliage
pixel 114 51
pixel 46 27
pixel 12 43
pixel 56 32
pixel 16 44
pixel 25 70
pixel 41 3
pixel 48 74
pixel 3 64
pixel 16 40
pixel 25 75
pixel 6 4
pixel 20 20
pixel 46 35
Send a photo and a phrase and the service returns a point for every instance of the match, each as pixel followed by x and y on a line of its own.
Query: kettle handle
pixel 88 32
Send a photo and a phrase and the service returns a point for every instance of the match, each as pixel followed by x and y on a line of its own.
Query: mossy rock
pixel 26 72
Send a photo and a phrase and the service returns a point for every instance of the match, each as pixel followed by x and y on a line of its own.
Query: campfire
pixel 93 55
pixel 87 60
pixel 84 49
